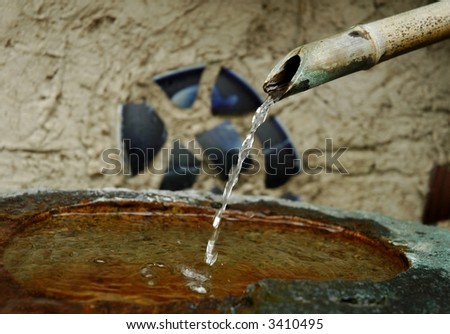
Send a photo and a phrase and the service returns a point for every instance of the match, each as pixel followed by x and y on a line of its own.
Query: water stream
pixel 258 118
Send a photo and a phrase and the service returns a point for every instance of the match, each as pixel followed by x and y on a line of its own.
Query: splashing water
pixel 196 279
pixel 258 118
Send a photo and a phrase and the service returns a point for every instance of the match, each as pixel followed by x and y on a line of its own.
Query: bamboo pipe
pixel 359 48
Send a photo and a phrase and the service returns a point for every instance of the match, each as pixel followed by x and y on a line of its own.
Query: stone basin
pixel 120 251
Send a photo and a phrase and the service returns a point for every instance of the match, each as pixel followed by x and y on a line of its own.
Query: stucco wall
pixel 65 66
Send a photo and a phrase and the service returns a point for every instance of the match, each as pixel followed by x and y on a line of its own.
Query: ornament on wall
pixel 143 131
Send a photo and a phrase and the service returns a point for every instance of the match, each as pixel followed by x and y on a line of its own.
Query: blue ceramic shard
pixel 182 170
pixel 181 85
pixel 142 135
pixel 185 98
pixel 219 102
pixel 280 156
pixel 232 95
pixel 216 190
pixel 221 147
pixel 290 196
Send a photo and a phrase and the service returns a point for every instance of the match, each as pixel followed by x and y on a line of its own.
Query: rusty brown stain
pixel 279 83
pixel 357 33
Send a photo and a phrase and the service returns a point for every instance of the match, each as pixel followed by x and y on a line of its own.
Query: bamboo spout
pixel 359 48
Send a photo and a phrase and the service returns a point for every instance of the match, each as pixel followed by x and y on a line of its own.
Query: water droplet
pixel 158 264
pixel 146 272
pixel 190 273
pixel 196 279
pixel 196 287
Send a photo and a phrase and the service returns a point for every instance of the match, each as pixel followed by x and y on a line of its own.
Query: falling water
pixel 258 118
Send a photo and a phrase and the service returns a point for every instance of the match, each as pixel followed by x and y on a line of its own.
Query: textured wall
pixel 65 66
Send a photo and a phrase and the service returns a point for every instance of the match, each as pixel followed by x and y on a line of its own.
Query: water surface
pixel 155 257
